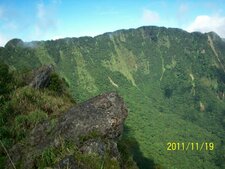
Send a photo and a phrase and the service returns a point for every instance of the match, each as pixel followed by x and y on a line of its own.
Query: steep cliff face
pixel 172 81
pixel 41 77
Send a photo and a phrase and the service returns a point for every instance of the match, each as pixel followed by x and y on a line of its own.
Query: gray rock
pixel 41 77
pixel 100 147
pixel 94 146
pixel 103 114
pixel 67 162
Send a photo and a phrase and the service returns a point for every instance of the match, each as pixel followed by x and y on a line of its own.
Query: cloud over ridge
pixel 206 23
pixel 150 16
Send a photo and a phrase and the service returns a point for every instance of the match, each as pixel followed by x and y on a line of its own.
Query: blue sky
pixel 52 19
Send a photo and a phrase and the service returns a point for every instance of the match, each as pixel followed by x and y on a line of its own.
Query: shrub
pixel 91 135
pixel 27 99
pixel 6 81
pixel 52 154
pixel 23 123
pixel 57 84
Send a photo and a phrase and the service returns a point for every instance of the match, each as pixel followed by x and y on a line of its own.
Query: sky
pixel 31 20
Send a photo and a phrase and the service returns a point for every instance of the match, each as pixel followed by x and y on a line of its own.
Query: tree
pixel 6 81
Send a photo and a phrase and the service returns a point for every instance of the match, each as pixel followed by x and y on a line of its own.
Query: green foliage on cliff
pixel 56 84
pixel 6 82
pixel 22 108
pixel 172 81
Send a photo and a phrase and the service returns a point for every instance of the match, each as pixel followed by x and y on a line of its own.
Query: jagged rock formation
pixel 102 116
pixel 41 77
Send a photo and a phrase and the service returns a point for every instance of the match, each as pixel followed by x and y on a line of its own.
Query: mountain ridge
pixel 112 32
pixel 172 81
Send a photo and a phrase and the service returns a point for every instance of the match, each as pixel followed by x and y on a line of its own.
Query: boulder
pixel 87 125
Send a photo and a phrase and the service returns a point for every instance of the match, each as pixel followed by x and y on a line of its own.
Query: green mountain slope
pixel 172 81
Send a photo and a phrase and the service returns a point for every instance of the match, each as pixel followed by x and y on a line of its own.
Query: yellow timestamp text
pixel 193 146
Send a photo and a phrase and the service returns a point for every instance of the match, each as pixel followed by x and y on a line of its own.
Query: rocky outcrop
pixel 87 125
pixel 40 78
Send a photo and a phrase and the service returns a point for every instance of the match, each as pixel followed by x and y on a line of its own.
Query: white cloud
pixel 205 23
pixel 3 40
pixel 1 12
pixel 150 17
pixel 182 14
pixel 12 26
pixel 41 11
pixel 57 2
pixel 46 20
pixel 56 37
pixel 109 12
pixel 183 9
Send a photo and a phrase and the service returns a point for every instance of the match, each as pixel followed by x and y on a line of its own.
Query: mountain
pixel 172 81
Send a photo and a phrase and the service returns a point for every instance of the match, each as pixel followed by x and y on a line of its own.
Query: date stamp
pixel 190 146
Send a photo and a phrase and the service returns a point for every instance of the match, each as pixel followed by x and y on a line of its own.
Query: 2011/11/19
pixel 173 146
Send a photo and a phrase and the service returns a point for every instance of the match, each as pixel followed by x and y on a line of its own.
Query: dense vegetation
pixel 172 81
pixel 22 107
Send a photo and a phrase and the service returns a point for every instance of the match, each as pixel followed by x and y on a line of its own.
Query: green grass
pixel 53 155
pixel 24 107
